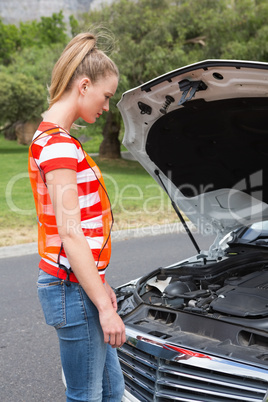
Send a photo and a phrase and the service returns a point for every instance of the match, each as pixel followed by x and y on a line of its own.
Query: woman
pixel 74 223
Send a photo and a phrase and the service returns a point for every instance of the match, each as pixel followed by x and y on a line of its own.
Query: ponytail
pixel 80 57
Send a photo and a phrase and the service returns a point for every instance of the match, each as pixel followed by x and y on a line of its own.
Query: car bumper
pixel 155 370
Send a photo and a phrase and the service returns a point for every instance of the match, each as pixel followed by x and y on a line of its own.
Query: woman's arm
pixel 62 189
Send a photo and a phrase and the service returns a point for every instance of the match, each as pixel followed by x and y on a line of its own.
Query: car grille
pixel 153 378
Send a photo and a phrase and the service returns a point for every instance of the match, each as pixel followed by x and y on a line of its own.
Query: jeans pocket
pixel 51 293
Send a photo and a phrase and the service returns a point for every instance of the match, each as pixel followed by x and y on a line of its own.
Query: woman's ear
pixel 83 85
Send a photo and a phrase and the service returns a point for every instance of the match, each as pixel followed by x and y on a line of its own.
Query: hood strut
pixel 178 213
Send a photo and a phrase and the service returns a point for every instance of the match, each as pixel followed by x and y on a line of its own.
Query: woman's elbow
pixel 69 232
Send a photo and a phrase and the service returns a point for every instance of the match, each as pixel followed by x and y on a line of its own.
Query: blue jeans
pixel 90 366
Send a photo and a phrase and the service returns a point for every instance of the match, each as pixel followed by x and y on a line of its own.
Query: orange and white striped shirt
pixel 53 148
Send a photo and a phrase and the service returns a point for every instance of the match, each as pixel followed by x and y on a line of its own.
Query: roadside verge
pixel 120 235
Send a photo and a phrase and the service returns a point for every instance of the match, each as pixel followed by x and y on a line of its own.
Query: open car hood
pixel 202 133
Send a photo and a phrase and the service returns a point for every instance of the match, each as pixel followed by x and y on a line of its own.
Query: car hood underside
pixel 202 133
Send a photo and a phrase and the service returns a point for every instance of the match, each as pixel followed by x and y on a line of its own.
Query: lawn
pixel 137 200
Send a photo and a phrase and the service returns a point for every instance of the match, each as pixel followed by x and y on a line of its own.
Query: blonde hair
pixel 80 57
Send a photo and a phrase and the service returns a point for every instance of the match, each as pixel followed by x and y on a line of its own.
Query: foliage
pixel 35 62
pixel 155 36
pixel 10 41
pixel 74 24
pixel 21 98
pixel 52 29
pixel 48 31
pixel 27 56
pixel 151 37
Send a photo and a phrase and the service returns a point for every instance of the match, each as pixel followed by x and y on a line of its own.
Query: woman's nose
pixel 106 106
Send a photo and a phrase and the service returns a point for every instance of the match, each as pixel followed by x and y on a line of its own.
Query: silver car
pixel 198 330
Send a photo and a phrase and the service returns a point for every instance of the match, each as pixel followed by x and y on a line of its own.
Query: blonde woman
pixel 74 225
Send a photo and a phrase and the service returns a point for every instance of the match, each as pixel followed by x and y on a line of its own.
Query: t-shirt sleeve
pixel 60 152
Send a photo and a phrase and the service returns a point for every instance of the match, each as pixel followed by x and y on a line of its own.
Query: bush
pixel 22 98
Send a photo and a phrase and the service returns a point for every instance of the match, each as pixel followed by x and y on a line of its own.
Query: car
pixel 197 330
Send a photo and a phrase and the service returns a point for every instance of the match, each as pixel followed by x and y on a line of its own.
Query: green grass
pixel 16 200
pixel 136 198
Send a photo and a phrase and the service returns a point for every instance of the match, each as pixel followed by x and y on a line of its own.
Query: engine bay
pixel 236 287
pixel 217 306
pixel 240 296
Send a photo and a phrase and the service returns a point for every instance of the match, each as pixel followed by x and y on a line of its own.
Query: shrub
pixel 22 98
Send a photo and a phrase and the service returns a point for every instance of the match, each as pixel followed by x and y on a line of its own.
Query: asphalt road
pixel 30 367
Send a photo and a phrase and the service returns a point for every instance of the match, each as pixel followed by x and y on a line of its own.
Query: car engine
pixel 231 291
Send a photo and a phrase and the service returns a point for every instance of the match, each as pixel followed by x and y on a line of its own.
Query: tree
pixel 151 38
pixel 52 29
pixel 156 36
pixel 10 42
pixel 48 31
pixel 21 98
pixel 137 26
pixel 35 62
pixel 23 87
pixel 27 57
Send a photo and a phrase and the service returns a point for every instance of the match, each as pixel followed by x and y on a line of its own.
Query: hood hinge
pixel 190 87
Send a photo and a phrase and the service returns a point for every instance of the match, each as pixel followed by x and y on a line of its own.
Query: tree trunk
pixel 110 146
pixel 25 131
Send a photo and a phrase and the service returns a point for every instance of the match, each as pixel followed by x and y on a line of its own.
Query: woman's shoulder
pixel 51 139
pixel 49 133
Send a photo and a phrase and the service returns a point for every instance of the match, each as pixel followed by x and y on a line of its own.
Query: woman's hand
pixel 112 325
pixel 113 328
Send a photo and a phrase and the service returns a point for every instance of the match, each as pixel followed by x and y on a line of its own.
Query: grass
pixel 137 200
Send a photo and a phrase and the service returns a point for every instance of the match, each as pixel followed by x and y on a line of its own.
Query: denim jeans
pixel 90 366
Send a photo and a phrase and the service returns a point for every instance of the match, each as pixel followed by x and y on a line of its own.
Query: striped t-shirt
pixel 58 150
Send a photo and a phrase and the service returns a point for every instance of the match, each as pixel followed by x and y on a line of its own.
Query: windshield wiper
pixel 258 243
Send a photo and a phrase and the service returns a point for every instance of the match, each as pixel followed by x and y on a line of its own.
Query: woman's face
pixel 94 98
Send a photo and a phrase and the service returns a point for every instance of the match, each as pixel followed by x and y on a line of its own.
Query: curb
pixel 120 235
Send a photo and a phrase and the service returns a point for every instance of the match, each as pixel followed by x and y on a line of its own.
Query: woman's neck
pixel 61 113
